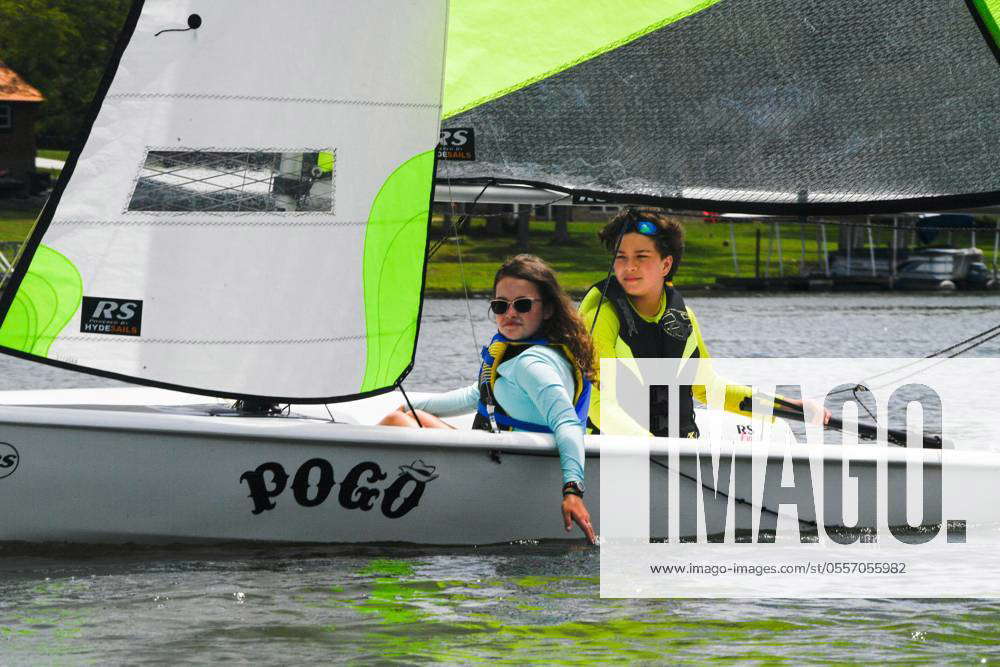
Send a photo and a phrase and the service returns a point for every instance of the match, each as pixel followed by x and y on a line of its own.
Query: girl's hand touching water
pixel 574 511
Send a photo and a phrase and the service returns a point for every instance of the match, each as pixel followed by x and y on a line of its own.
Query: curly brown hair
pixel 564 326
pixel 669 241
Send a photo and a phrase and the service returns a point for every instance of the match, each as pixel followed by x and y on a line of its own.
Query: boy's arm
pixel 734 393
pixel 737 393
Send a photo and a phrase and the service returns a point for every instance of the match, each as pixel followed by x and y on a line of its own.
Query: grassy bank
pixel 583 261
pixel 15 225
pixel 580 262
pixel 52 154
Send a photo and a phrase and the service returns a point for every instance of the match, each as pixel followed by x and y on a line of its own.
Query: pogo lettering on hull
pixel 360 488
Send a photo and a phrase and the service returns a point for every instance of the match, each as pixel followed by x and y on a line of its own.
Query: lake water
pixel 514 603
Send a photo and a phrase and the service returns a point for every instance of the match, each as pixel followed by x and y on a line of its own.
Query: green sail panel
pixel 49 296
pixel 395 244
pixel 495 48
pixel 768 106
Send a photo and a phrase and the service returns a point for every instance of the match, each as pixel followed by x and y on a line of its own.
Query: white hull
pixel 107 473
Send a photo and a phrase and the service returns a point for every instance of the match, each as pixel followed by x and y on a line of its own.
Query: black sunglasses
pixel 522 305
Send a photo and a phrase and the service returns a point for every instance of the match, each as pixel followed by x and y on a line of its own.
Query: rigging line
pixel 409 405
pixel 938 361
pixel 741 501
pixel 995 331
pixel 607 279
pixel 973 346
pixel 461 269
pixel 465 218
pixel 792 412
pixel 991 330
pixel 858 400
pixel 455 230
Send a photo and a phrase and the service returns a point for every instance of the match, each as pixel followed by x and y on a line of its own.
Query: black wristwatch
pixel 573 488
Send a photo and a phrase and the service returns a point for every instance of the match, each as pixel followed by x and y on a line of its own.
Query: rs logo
pixel 454 138
pixel 9 459
pixel 121 310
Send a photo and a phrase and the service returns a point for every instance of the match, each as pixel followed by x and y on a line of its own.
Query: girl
pixel 535 375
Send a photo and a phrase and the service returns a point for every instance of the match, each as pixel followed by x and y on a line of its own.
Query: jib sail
pixel 248 214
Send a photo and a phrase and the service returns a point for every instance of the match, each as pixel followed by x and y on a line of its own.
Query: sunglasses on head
pixel 522 305
pixel 644 227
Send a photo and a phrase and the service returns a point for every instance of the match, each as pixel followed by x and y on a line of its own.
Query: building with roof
pixel 19 107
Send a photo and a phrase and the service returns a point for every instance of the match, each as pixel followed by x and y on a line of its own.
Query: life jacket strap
pixel 491 416
pixel 507 422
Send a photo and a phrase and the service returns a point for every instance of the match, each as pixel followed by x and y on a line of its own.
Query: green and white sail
pixel 248 214
pixel 771 106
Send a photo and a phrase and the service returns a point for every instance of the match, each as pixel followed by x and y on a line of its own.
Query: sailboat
pixel 247 220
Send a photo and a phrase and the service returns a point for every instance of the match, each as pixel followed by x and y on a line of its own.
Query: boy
pixel 637 313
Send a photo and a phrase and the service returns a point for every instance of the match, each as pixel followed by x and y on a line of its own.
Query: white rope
pixel 461 268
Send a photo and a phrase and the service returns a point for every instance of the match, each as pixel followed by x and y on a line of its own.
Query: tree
pixel 61 47
pixel 523 227
pixel 561 215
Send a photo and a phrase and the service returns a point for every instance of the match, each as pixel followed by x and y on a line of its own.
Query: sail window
pixel 216 181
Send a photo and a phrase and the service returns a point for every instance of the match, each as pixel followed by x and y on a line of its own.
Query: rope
pixel 409 405
pixel 456 227
pixel 972 342
pixel 607 281
pixel 461 266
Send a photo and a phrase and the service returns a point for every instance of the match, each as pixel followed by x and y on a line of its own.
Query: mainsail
pixel 248 214
pixel 769 106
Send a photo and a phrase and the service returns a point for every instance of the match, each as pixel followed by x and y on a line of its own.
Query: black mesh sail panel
pixel 764 106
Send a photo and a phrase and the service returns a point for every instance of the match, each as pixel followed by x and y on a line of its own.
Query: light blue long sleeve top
pixel 535 386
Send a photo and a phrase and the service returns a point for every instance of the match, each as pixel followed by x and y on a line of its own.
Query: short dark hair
pixel 669 241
